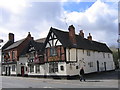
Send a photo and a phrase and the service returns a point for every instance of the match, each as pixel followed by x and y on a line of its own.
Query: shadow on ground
pixel 104 75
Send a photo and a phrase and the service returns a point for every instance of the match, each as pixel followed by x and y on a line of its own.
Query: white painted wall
pixel 60 72
pixel 11 72
pixel 83 60
pixel 22 62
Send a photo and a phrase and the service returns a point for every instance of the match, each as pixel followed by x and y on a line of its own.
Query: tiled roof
pixel 15 44
pixel 82 43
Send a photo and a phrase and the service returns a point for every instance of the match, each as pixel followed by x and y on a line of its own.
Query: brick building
pixel 11 52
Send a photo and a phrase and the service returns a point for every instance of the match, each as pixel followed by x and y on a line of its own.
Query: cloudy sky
pixel 99 18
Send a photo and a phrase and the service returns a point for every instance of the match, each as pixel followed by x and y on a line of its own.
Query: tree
pixel 115 57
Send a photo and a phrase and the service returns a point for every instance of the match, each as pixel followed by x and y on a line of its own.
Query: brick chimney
pixel 89 37
pixel 81 33
pixel 72 36
pixel 11 37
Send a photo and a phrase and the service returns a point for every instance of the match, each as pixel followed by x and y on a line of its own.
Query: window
pixel 31 68
pixel 3 68
pixel 37 69
pixel 13 67
pixel 53 67
pixel 53 51
pixel 88 53
pixel 103 55
pixel 108 55
pixel 90 64
pixel 83 51
pixel 8 55
pixel 13 55
pixel 76 67
pixel 3 57
pixel 62 68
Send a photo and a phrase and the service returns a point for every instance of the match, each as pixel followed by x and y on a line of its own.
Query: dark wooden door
pixel 22 70
pixel 9 71
pixel 105 65
pixel 98 66
pixel 6 71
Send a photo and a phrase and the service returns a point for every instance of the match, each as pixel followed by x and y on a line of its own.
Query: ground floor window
pixel 53 67
pixel 90 64
pixel 13 67
pixel 31 68
pixel 3 68
pixel 62 68
pixel 37 69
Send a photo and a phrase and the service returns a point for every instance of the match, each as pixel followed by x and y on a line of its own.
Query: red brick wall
pixel 19 49
pixel 60 54
pixel 22 46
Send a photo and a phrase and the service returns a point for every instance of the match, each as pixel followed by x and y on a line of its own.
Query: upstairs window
pixel 8 55
pixel 83 51
pixel 31 55
pixel 13 55
pixel 103 55
pixel 53 51
pixel 108 55
pixel 88 53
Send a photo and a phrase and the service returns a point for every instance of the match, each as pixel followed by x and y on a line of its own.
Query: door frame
pixel 105 65
pixel 98 69
pixel 6 71
pixel 9 71
pixel 22 71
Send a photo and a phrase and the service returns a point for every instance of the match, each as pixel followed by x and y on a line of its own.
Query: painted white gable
pixel 53 42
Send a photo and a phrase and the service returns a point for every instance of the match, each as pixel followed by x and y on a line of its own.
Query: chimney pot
pixel 81 33
pixel 89 37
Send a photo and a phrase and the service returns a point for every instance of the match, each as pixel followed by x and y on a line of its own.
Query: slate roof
pixel 15 44
pixel 7 45
pixel 82 43
pixel 38 47
pixel 41 40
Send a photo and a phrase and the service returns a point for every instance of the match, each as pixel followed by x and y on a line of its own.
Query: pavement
pixel 97 80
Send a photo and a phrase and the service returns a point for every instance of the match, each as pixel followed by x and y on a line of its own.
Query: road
pixel 102 80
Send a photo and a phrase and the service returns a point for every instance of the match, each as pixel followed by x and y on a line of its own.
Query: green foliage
pixel 115 58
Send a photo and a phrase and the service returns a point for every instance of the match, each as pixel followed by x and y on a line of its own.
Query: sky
pixel 100 18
